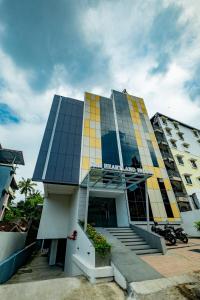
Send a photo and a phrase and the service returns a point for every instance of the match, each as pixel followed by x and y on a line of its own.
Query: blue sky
pixel 151 48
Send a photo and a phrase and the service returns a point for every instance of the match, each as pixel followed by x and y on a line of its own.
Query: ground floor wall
pixel 188 218
pixel 10 242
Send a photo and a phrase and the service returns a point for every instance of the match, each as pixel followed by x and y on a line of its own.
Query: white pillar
pixel 87 202
pixel 53 252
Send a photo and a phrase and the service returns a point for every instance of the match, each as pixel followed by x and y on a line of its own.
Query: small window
pixel 180 134
pixel 176 125
pixel 164 121
pixel 188 179
pixel 193 163
pixel 195 133
pixel 185 145
pixel 173 142
pixel 168 130
pixel 180 160
pixel 195 201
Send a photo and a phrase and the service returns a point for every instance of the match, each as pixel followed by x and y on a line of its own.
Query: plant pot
pixel 102 261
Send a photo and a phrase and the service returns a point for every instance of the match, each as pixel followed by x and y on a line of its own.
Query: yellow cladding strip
pixel 167 184
pixel 91 133
pixel 175 210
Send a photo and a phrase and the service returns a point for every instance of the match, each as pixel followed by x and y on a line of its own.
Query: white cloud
pixel 121 31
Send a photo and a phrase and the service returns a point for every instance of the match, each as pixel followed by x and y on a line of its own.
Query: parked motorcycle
pixel 167 233
pixel 179 233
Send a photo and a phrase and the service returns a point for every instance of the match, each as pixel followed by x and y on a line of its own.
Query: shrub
pixel 197 225
pixel 100 244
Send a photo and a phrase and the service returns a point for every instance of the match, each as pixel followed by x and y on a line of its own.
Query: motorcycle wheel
pixel 172 240
pixel 184 239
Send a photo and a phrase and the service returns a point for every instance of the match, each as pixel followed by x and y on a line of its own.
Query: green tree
pixel 26 187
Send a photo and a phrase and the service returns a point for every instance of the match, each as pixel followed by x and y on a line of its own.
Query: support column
pixel 53 252
pixel 87 202
pixel 147 206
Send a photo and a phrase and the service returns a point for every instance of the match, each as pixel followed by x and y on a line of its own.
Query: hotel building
pixel 180 148
pixel 100 163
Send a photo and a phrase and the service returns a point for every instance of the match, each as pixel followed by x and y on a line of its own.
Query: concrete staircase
pixel 129 238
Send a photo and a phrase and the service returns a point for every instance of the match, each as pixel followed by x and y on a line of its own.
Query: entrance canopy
pixel 121 179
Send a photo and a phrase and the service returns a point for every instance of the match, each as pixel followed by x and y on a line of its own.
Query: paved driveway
pixel 179 259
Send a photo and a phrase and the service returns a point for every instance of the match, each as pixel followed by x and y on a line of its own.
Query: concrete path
pixel 36 268
pixel 131 266
pixel 61 289
pixel 174 288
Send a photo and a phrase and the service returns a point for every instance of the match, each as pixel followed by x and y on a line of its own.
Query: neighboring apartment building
pixel 99 162
pixel 8 161
pixel 180 147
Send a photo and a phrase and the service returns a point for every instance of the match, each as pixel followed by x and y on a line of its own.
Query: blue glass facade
pixel 152 153
pixel 129 148
pixel 64 160
pixel 110 154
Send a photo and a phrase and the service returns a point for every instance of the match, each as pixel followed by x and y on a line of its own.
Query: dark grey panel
pixel 64 161
pixel 37 175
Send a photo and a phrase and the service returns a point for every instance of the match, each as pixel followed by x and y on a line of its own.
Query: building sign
pixel 119 168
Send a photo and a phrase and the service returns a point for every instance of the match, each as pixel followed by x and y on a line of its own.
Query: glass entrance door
pixel 102 212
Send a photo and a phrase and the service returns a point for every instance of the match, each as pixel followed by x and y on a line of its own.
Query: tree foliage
pixel 26 187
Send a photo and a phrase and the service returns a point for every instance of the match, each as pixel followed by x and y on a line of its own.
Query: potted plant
pixel 197 225
pixel 102 247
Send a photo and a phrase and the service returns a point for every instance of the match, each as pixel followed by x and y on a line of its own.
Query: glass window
pixel 188 179
pixel 165 200
pixel 193 163
pixel 185 145
pixel 144 124
pixel 180 160
pixel 130 152
pixel 152 153
pixel 195 201
pixel 180 134
pixel 173 143
pixel 168 130
pixel 176 125
pixel 109 146
pixel 195 133
pixel 137 204
pixel 164 121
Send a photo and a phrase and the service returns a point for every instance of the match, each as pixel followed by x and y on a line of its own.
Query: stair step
pixel 125 235
pixel 142 242
pixel 146 251
pixel 121 232
pixel 130 239
pixel 139 247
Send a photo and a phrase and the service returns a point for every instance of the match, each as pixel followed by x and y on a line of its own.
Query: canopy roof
pixel 113 179
pixel 8 156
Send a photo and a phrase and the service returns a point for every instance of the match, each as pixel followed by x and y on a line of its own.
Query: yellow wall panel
pixel 86 132
pixel 97 118
pixel 85 163
pixel 98 161
pixel 175 210
pixel 87 123
pixel 98 143
pixel 93 117
pixel 93 110
pixel 161 163
pixel 92 142
pixel 157 172
pixel 157 219
pixel 167 184
pixel 92 133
